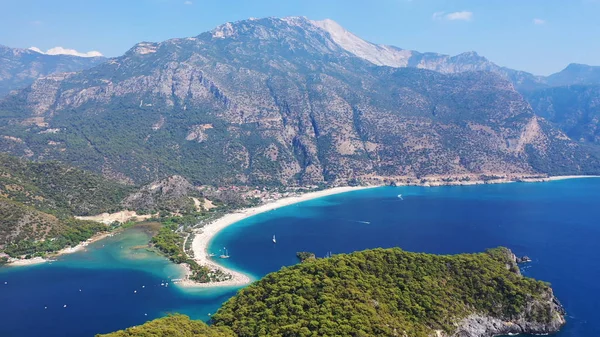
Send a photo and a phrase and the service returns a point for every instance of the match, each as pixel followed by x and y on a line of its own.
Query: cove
pixel 555 223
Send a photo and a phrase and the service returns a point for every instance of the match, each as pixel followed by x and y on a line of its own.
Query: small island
pixel 382 292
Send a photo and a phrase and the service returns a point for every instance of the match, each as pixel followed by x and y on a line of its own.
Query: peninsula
pixel 383 292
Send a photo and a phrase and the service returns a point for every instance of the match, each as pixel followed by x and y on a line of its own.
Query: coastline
pixel 64 251
pixel 570 177
pixel 468 180
pixel 205 235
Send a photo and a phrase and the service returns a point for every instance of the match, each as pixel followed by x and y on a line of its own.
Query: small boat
pixel 400 196
pixel 211 255
pixel 225 255
pixel 274 240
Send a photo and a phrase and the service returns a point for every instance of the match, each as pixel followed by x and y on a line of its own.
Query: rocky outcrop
pixel 485 326
pixel 543 313
pixel 172 194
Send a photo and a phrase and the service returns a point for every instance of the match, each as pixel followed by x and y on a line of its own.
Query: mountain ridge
pixel 20 67
pixel 278 101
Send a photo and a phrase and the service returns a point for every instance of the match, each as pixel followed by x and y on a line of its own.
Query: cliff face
pixel 485 326
pixel 542 315
pixel 281 101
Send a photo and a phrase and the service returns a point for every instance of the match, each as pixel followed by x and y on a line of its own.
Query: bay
pixel 555 223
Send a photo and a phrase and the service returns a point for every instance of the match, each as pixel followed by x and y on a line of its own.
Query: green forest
pixel 170 242
pixel 379 292
pixel 38 202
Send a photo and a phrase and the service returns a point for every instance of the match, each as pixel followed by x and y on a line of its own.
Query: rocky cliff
pixel 542 315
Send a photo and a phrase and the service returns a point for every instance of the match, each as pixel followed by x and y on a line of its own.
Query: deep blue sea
pixel 555 223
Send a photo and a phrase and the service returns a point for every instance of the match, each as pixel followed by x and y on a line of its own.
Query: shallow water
pixel 115 284
pixel 555 223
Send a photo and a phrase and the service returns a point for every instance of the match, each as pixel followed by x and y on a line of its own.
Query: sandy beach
pixel 204 235
pixel 68 250
pixel 569 177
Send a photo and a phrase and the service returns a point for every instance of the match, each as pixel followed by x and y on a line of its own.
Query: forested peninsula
pixel 382 292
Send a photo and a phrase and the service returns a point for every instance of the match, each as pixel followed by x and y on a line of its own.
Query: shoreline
pixel 554 178
pixel 443 181
pixel 64 251
pixel 205 234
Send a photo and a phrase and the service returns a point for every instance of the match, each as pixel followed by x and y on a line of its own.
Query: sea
pixel 118 282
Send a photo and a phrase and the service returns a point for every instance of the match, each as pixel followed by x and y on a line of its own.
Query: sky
pixel 538 36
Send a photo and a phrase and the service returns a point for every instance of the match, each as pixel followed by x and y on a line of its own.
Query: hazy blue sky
pixel 540 36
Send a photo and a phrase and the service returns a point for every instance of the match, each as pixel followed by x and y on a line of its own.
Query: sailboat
pixel 274 240
pixel 225 255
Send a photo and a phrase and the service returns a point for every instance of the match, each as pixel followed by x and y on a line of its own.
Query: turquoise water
pixel 115 284
pixel 556 223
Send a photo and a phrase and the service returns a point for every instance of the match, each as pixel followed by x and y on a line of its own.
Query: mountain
pixel 575 74
pixel 382 292
pixel 571 101
pixel 281 101
pixel 391 56
pixel 575 109
pixel 38 202
pixel 20 67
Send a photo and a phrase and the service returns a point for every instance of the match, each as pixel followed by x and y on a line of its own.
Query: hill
pixel 20 67
pixel 173 326
pixel 385 292
pixel 38 202
pixel 282 102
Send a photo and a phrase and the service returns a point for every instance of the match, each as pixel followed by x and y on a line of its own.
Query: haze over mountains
pixel 20 67
pixel 287 101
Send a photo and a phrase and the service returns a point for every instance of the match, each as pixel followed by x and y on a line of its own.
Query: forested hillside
pixel 383 292
pixel 38 202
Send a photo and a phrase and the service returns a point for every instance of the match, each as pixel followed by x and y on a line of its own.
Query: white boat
pixel 274 240
pixel 224 256
pixel 400 196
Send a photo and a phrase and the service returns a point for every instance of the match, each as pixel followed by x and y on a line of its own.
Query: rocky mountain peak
pixel 376 54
